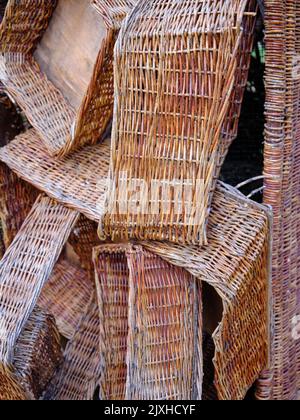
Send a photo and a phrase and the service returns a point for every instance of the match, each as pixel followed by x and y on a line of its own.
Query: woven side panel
pixel 78 376
pixel 39 99
pixel 235 263
pixel 16 200
pixel 78 181
pixel 66 296
pixel 27 265
pixel 37 353
pixel 112 275
pixel 24 23
pixel 165 331
pixel 114 11
pixel 10 389
pixel 173 131
pixel 83 239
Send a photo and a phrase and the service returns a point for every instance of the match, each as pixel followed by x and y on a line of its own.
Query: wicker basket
pixel 16 200
pixel 27 265
pixel 66 296
pixel 185 64
pixel 37 353
pixel 79 374
pixel 114 11
pixel 282 184
pixel 236 264
pixel 10 389
pixel 153 351
pixel 39 54
pixel 78 181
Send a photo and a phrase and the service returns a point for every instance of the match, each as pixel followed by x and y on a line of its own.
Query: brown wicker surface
pixel 151 317
pixel 78 376
pixel 77 181
pixel 83 239
pixel 235 263
pixel 10 389
pixel 114 11
pixel 282 185
pixel 66 296
pixel 173 131
pixel 37 353
pixel 61 126
pixel 16 200
pixel 27 265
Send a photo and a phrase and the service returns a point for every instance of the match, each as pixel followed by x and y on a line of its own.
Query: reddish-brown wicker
pixel 151 326
pixel 78 181
pixel 66 296
pixel 38 353
pixel 61 127
pixel 10 389
pixel 16 200
pixel 236 264
pixel 282 185
pixel 79 374
pixel 27 265
pixel 174 61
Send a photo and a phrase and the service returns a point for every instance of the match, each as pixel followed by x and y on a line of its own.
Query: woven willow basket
pixel 236 263
pixel 39 55
pixel 16 200
pixel 175 114
pixel 151 322
pixel 10 390
pixel 27 265
pixel 37 354
pixel 66 296
pixel 79 373
pixel 78 181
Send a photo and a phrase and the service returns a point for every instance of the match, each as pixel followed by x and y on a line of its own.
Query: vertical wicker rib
pixel 16 200
pixel 282 185
pixel 37 353
pixel 165 331
pixel 184 62
pixel 61 127
pixel 27 265
pixel 66 296
pixel 78 376
pixel 151 326
pixel 235 263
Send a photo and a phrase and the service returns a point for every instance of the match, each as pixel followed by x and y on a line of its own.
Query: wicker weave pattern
pixel 66 296
pixel 61 128
pixel 151 316
pixel 27 265
pixel 112 275
pixel 79 375
pixel 78 181
pixel 16 200
pixel 37 353
pixel 165 331
pixel 173 131
pixel 114 11
pixel 24 23
pixel 10 390
pixel 237 268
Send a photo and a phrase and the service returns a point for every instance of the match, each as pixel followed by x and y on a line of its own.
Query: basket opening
pixel 69 48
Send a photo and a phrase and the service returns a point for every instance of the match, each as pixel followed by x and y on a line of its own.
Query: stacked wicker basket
pixel 164 304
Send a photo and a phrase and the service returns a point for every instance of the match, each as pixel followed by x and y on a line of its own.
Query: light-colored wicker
pixel 35 64
pixel 38 353
pixel 151 326
pixel 16 200
pixel 78 181
pixel 114 11
pixel 282 186
pixel 66 296
pixel 27 265
pixel 78 377
pixel 236 264
pixel 176 64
